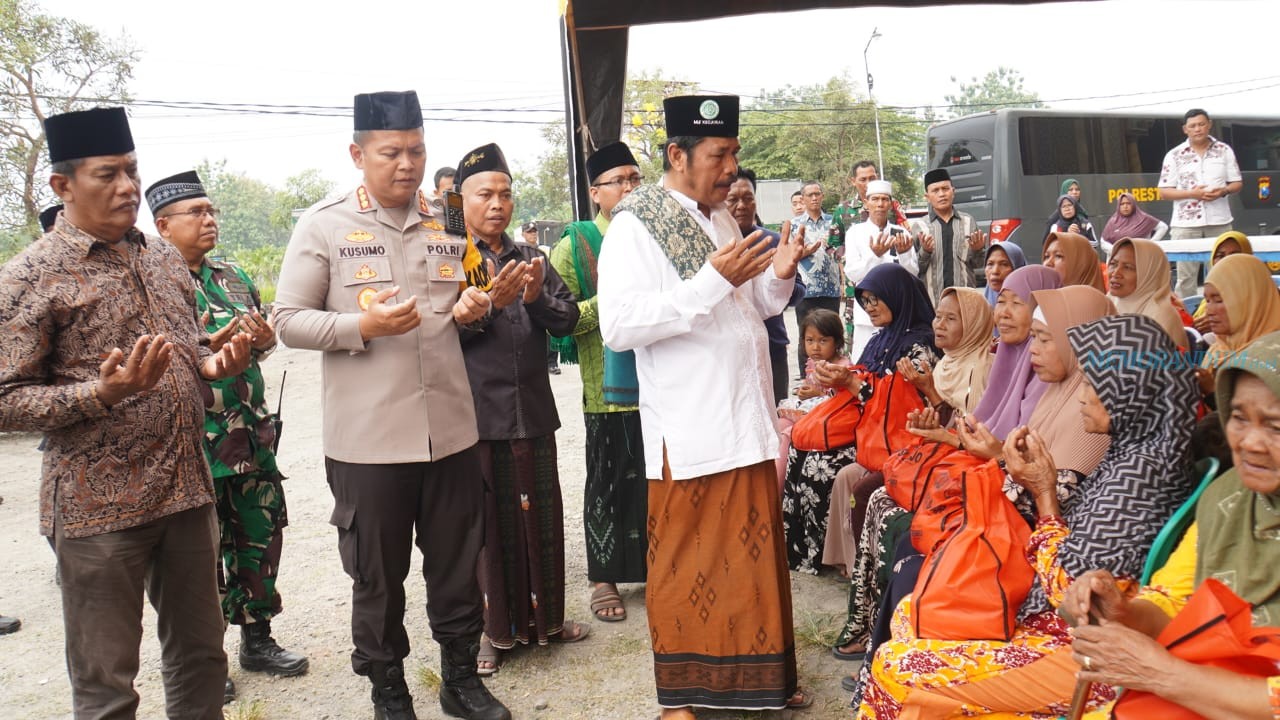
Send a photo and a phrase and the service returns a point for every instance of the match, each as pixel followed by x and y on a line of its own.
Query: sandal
pixel 488 654
pixel 571 632
pixel 606 597
pixel 800 700
pixel 849 656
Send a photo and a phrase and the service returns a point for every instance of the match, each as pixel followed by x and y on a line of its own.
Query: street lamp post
pixel 871 83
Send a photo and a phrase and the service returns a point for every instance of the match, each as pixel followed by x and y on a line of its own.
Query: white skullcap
pixel 879 187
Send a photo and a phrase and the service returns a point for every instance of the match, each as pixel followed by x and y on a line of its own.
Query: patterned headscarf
pixel 1012 387
pixel 1149 391
pixel 912 322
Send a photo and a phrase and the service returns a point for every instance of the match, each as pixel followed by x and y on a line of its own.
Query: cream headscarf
pixel 961 375
pixel 1055 416
pixel 1253 305
pixel 1151 295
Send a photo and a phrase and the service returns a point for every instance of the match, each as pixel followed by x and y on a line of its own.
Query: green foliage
pixel 643 129
pixel 542 193
pixel 818 132
pixel 999 88
pixel 48 65
pixel 257 219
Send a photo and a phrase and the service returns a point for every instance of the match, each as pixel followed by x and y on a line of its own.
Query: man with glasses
pixel 616 498
pixel 819 272
pixel 239 429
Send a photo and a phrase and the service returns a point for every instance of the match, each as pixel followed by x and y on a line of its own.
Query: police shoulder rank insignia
pixel 432 225
pixel 365 298
pixel 359 236
pixel 423 205
pixel 362 198
pixel 365 273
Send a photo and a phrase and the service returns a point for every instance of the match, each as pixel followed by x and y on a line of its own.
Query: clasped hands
pixel 738 261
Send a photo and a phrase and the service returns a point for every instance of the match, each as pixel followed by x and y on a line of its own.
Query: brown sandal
pixel 488 654
pixel 606 597
pixel 800 700
pixel 571 632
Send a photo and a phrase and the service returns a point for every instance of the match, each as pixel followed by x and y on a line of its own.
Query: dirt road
pixel 607 676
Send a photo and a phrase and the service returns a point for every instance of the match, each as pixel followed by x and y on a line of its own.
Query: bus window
pixel 1073 146
pixel 1257 147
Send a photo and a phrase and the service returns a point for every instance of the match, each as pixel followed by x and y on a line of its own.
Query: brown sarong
pixel 719 594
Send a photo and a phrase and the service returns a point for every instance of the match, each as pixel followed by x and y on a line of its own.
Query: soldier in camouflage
pixel 240 431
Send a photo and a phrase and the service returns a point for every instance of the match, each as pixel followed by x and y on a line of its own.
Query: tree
pixel 50 65
pixel 1000 88
pixel 542 192
pixel 300 192
pixel 247 206
pixel 818 132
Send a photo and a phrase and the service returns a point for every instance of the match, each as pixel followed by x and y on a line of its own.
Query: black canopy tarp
pixel 593 39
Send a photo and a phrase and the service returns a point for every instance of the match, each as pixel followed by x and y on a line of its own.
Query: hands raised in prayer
pixel 1029 463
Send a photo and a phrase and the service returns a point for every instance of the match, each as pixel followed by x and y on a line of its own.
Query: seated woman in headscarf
pixel 1147 409
pixel 1139 285
pixel 897 304
pixel 1242 305
pixel 1073 258
pixel 1130 221
pixel 1231 242
pixel 1002 258
pixel 1008 401
pixel 1071 219
pixel 962 327
pixel 1075 451
pixel 1235 540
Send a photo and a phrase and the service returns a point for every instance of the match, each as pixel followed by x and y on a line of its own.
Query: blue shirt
pixel 820 272
pixel 776 326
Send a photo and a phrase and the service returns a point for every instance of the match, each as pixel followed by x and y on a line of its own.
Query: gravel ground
pixel 609 675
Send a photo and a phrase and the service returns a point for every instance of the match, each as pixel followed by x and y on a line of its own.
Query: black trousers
pixel 380 512
pixel 804 307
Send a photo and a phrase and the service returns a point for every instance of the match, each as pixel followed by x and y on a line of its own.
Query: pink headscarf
pixel 1139 224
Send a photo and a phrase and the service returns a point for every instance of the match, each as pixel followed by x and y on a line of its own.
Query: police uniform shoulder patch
pixel 423 205
pixel 362 199
pixel 365 298
pixel 359 236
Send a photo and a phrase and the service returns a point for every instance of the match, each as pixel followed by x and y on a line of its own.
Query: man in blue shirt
pixel 820 272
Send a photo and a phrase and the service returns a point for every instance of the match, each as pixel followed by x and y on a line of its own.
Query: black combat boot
pixel 260 653
pixel 462 694
pixel 391 698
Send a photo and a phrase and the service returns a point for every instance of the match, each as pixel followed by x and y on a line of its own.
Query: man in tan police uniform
pixel 372 279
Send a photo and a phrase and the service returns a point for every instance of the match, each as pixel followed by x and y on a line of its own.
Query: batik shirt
pixel 239 431
pixel 1184 169
pixel 65 302
pixel 820 272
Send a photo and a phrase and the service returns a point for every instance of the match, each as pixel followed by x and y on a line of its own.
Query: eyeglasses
pixel 868 301
pixel 197 213
pixel 634 181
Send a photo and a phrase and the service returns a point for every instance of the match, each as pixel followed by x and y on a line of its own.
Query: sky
pixel 494 66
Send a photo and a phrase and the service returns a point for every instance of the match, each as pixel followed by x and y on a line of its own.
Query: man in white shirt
pixel 682 287
pixel 1197 176
pixel 874 242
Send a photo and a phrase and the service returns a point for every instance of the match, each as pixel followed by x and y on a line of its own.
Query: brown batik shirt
pixel 65 302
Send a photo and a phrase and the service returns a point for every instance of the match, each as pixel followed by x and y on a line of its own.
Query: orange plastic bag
pixel 1216 629
pixel 883 428
pixel 975 573
pixel 909 471
pixel 830 425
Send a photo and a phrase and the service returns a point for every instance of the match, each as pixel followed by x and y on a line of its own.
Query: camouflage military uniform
pixel 239 433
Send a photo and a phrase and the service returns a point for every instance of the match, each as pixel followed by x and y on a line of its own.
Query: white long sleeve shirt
pixel 858 261
pixel 702 355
